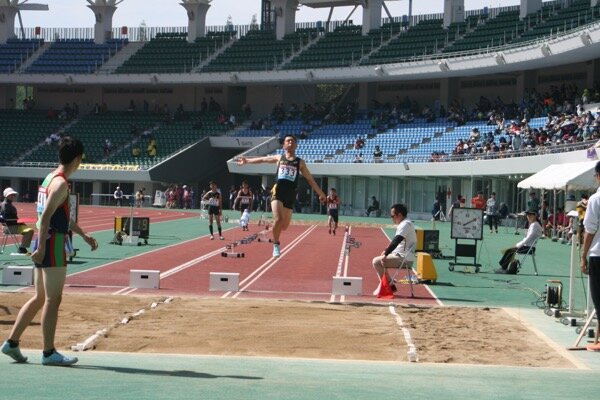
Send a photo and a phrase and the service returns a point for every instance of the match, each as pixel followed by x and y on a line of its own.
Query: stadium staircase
pixel 121 57
pixel 20 128
pixel 213 56
pixel 172 53
pixel 259 50
pixel 26 63
pixel 15 52
pixel 74 56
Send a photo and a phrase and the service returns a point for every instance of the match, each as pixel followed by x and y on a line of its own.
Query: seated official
pixel 400 251
pixel 534 232
pixel 373 207
pixel 8 213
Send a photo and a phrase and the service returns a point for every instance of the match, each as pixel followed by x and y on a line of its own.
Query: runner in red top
pixel 333 207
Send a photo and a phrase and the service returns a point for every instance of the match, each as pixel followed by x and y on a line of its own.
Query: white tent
pixel 568 176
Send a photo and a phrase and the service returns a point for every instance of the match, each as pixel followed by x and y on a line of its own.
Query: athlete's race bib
pixel 333 206
pixel 213 201
pixel 287 172
pixel 42 198
pixel 245 200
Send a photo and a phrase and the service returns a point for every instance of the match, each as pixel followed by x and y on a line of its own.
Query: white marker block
pixel 17 275
pixel 224 282
pixel 144 279
pixel 347 286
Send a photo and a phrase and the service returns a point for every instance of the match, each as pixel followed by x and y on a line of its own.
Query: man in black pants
pixel 591 249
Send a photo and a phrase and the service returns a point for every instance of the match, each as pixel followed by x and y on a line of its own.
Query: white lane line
pixel 343 257
pixel 258 272
pixel 412 349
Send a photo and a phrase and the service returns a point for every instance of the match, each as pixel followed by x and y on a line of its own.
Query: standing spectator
pixel 591 249
pixel 492 212
pixel 139 197
pixel 478 201
pixel 534 202
pixel 118 196
pixel 460 201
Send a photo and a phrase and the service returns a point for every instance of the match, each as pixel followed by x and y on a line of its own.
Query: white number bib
pixel 41 200
pixel 287 172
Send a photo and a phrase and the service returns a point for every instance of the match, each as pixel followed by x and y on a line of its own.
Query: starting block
pixel 348 286
pixel 17 275
pixel 144 279
pixel 224 281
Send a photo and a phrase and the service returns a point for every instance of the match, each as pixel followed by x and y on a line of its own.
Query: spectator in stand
pixel 377 153
pixel 358 158
pixel 359 144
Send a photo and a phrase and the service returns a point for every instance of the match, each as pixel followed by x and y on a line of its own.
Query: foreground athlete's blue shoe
pixel 13 352
pixel 59 360
pixel 276 251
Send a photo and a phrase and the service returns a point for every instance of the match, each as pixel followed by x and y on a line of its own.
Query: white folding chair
pixel 530 252
pixel 410 273
pixel 7 234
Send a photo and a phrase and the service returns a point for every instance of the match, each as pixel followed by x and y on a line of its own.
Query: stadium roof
pixel 334 3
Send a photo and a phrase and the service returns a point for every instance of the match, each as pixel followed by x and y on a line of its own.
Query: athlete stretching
pixel 284 191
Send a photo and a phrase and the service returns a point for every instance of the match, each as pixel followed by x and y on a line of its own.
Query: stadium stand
pixel 259 51
pixel 15 51
pixel 19 129
pixel 75 56
pixel 171 52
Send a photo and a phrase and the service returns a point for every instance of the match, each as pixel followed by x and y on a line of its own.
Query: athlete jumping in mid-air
pixel 284 191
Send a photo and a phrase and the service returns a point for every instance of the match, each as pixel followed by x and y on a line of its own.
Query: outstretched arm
pixel 259 160
pixel 311 181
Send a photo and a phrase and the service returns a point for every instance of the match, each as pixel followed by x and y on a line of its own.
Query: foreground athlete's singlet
pixel 55 255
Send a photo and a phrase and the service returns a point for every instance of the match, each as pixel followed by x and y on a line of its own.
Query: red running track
pixel 310 258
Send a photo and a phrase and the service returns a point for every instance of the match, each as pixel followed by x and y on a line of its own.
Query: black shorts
pixel 334 213
pixel 214 210
pixel 287 197
pixel 245 206
pixel 594 273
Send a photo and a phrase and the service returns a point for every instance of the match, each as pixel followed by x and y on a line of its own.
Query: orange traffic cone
pixel 385 291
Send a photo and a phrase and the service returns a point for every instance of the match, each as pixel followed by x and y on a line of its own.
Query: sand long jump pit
pixel 250 327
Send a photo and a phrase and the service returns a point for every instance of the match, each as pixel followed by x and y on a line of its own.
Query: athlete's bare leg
pixel 31 308
pixel 281 219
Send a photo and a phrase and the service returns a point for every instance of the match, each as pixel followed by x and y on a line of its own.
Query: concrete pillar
pixel 454 11
pixel 103 26
pixel 332 183
pixel 7 23
pixel 97 188
pixel 526 80
pixel 449 88
pixel 285 17
pixel 371 16
pixel 366 93
pixel 529 6
pixel 196 13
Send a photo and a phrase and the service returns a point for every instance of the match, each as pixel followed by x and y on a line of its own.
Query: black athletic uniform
pixel 287 181
pixel 213 199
